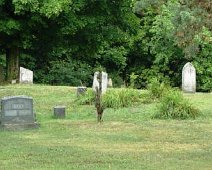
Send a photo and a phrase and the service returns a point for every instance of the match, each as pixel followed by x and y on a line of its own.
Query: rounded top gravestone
pixel 189 78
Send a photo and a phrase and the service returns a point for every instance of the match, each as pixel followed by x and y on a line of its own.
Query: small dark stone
pixel 81 90
pixel 59 111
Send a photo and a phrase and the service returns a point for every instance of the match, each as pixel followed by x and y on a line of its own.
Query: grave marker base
pixel 15 127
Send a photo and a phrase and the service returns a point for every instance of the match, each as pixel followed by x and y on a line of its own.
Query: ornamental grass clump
pixel 117 98
pixel 174 106
pixel 157 89
pixel 87 98
pixel 113 98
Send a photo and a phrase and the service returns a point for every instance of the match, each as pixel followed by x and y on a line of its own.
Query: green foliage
pixel 175 33
pixel 113 98
pixel 188 21
pixel 133 49
pixel 116 79
pixel 155 53
pixel 127 139
pixel 133 77
pixel 157 89
pixel 118 98
pixel 2 60
pixel 99 37
pixel 174 106
pixel 172 103
pixel 70 73
pixel 87 98
pixel 203 62
pixel 144 76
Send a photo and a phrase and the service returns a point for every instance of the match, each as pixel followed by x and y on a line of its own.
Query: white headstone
pixel 96 82
pixel 26 76
pixel 110 83
pixel 189 78
pixel 13 81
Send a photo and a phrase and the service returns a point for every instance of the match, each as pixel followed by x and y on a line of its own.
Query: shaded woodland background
pixel 63 41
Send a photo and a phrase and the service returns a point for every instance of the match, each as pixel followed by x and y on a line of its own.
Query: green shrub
pixel 174 105
pixel 142 76
pixel 116 98
pixel 157 89
pixel 113 98
pixel 117 79
pixel 86 99
pixel 133 77
pixel 70 72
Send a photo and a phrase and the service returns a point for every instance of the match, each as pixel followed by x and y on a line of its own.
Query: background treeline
pixel 65 41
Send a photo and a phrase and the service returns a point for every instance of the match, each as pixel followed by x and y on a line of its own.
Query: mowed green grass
pixel 127 139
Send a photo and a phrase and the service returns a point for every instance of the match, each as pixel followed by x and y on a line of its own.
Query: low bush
pixel 174 105
pixel 157 89
pixel 116 98
pixel 70 72
pixel 113 98
pixel 87 98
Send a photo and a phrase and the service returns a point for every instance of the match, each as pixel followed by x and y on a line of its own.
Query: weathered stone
pixel 13 81
pixel 81 90
pixel 59 111
pixel 189 78
pixel 26 76
pixel 96 82
pixel 17 112
pixel 110 83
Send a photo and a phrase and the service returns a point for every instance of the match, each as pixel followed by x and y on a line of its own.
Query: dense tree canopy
pixel 65 41
pixel 179 31
pixel 19 20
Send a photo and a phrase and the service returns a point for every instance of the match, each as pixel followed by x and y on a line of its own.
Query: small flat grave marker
pixel 59 112
pixel 81 90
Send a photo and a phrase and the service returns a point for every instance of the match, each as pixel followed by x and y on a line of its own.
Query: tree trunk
pixel 98 104
pixel 12 64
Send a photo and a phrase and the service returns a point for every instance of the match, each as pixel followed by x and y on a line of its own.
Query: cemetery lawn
pixel 127 139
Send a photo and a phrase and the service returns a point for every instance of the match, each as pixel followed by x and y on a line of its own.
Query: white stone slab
pixel 96 82
pixel 26 76
pixel 189 78
pixel 110 83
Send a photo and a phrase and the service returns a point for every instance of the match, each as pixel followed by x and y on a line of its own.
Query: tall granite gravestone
pixel 96 82
pixel 17 113
pixel 189 78
pixel 26 76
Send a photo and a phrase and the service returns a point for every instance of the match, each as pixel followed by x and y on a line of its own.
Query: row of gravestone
pixel 188 78
pixel 17 111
